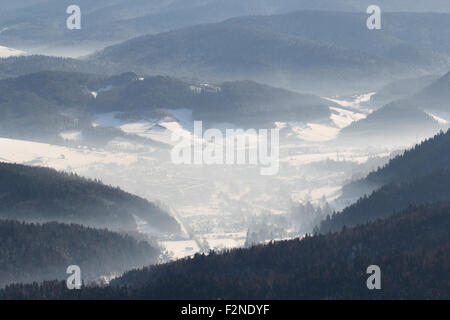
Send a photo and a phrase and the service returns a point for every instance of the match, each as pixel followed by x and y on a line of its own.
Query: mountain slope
pixel 432 155
pixel 436 96
pixel 391 198
pixel 411 248
pixel 397 123
pixel 33 252
pixel 39 194
pixel 401 90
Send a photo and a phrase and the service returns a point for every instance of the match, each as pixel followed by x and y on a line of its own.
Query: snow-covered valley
pixel 217 205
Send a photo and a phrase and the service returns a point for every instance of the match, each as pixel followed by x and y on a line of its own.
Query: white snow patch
pixel 181 249
pixel 355 102
pixel 343 118
pixel 58 157
pixel 95 93
pixel 439 120
pixel 6 52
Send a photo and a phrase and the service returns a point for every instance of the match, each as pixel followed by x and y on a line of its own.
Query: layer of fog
pixel 222 206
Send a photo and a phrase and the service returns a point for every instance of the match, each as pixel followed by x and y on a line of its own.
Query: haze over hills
pixel 35 252
pixel 39 195
pixel 243 103
pixel 391 198
pixel 429 157
pixel 419 108
pixel 404 121
pixel 436 96
pixel 40 24
pixel 42 106
pixel 289 269
pixel 296 50
pixel 401 90
pixel 341 101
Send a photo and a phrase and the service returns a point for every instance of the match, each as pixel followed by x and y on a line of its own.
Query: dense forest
pixel 347 84
pixel 34 252
pixel 414 263
pixel 40 194
pixel 418 176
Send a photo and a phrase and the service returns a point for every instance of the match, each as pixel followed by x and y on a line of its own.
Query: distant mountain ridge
pixel 37 22
pixel 296 48
pixel 401 90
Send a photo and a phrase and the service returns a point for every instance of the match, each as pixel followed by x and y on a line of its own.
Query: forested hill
pixel 412 249
pixel 390 198
pixel 40 106
pixel 403 122
pixel 425 158
pixel 298 50
pixel 34 252
pixel 43 194
pixel 240 102
pixel 401 89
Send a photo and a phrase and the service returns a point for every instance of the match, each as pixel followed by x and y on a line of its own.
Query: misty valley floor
pixel 217 205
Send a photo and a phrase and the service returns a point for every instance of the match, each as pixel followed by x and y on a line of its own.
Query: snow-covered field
pixel 181 249
pixel 58 157
pixel 341 117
